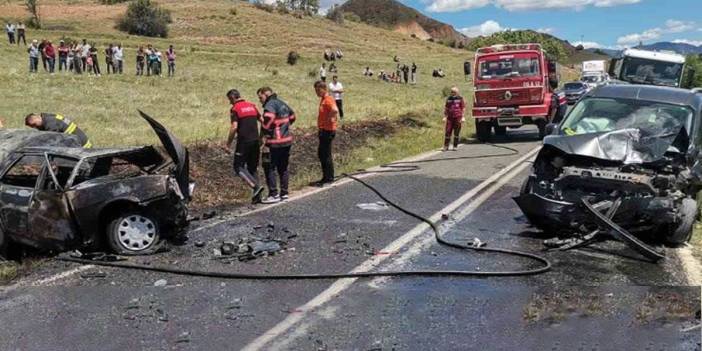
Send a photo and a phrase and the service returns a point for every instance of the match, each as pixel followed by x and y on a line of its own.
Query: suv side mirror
pixel 551 128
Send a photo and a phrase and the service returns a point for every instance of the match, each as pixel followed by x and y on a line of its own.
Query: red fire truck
pixel 515 85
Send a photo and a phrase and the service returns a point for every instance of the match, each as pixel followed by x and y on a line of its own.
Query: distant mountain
pixel 680 48
pixel 608 52
pixel 393 15
pixel 560 49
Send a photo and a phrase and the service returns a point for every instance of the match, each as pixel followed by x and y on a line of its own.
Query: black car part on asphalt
pixel 392 168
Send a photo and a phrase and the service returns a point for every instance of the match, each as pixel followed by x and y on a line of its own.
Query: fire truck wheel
pixel 501 131
pixel 483 131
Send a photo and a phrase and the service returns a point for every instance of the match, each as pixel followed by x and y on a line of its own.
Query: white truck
pixel 594 73
pixel 637 66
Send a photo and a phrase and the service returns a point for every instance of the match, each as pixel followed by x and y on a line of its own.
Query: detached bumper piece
pixel 606 224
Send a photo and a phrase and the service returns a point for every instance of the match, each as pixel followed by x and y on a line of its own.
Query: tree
pixel 336 14
pixel 553 47
pixel 33 8
pixel 145 18
pixel 694 62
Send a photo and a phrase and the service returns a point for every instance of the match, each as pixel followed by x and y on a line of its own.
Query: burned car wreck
pixel 626 163
pixel 57 196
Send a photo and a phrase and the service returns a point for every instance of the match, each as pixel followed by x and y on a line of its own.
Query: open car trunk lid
pixel 177 152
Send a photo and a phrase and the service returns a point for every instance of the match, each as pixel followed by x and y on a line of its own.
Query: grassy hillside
pixel 221 44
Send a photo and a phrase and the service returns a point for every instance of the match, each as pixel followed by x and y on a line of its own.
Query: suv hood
pixel 177 152
pixel 628 146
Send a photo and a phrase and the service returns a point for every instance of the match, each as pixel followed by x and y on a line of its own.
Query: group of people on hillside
pixel 268 137
pixel 402 74
pixel 330 55
pixel 16 32
pixel 83 57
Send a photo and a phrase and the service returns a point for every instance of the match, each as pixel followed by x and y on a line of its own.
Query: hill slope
pixel 680 48
pixel 393 15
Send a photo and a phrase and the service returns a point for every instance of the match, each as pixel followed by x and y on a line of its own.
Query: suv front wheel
pixel 133 233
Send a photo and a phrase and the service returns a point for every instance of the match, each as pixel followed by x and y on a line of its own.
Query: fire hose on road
pixel 544 264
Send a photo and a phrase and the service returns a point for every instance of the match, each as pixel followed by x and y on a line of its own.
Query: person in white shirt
pixel 323 72
pixel 84 54
pixel 118 57
pixel 337 91
pixel 10 29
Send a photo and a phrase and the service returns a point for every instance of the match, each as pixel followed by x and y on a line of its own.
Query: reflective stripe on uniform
pixel 88 145
pixel 71 128
pixel 60 117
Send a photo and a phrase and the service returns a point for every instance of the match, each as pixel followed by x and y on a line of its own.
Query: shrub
pixel 33 9
pixel 313 73
pixel 293 56
pixel 144 17
pixel 282 8
pixel 350 16
pixel 274 72
pixel 232 12
pixel 580 47
pixel 263 6
pixel 335 14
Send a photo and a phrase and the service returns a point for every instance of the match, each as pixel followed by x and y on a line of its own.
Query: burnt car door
pixel 16 190
pixel 51 223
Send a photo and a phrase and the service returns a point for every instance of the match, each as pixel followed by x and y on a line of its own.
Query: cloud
pixel 521 5
pixel 486 28
pixel 547 30
pixel 589 44
pixel 686 41
pixel 671 26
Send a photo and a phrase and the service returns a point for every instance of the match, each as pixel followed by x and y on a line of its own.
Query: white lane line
pixel 690 266
pixel 48 280
pixel 340 285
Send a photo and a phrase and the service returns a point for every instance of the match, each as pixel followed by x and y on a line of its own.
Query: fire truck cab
pixel 515 85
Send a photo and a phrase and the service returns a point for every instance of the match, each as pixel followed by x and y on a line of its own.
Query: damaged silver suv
pixel 625 161
pixel 56 196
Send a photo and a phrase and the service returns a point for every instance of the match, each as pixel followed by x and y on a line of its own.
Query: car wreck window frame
pixel 689 122
pixel 21 156
pixel 116 154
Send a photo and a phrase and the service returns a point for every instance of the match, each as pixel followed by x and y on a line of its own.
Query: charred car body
pixel 56 196
pixel 625 161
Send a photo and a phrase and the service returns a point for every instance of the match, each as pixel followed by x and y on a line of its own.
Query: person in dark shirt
pixel 49 122
pixel 244 127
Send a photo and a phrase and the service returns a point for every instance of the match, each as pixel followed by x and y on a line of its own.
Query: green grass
pixel 216 55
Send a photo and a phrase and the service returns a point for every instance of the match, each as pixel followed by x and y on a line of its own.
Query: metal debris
pixel 375 206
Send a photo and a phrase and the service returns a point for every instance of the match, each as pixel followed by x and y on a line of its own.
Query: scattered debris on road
pixel 375 206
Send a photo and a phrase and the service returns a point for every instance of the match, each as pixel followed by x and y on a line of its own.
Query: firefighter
pixel 277 120
pixel 244 117
pixel 56 123
pixel 453 115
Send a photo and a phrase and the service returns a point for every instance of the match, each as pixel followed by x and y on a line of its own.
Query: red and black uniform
pixel 455 105
pixel 277 120
pixel 248 145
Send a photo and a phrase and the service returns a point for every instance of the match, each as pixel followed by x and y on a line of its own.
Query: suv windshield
pixel 644 71
pixel 508 67
pixel 574 86
pixel 597 115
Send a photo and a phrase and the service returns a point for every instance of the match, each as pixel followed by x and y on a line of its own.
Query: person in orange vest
pixel 244 117
pixel 326 123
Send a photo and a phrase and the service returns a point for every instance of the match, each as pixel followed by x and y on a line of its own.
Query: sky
pixel 612 24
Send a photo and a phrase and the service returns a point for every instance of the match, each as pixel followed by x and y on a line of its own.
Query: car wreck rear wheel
pixel 133 233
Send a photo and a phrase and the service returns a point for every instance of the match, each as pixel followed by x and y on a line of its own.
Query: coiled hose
pixel 545 265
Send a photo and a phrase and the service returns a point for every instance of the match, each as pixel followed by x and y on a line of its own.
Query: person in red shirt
pixel 244 118
pixel 63 56
pixel 326 123
pixel 453 115
pixel 50 55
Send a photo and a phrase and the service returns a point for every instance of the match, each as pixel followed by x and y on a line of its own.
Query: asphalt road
pixel 599 298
